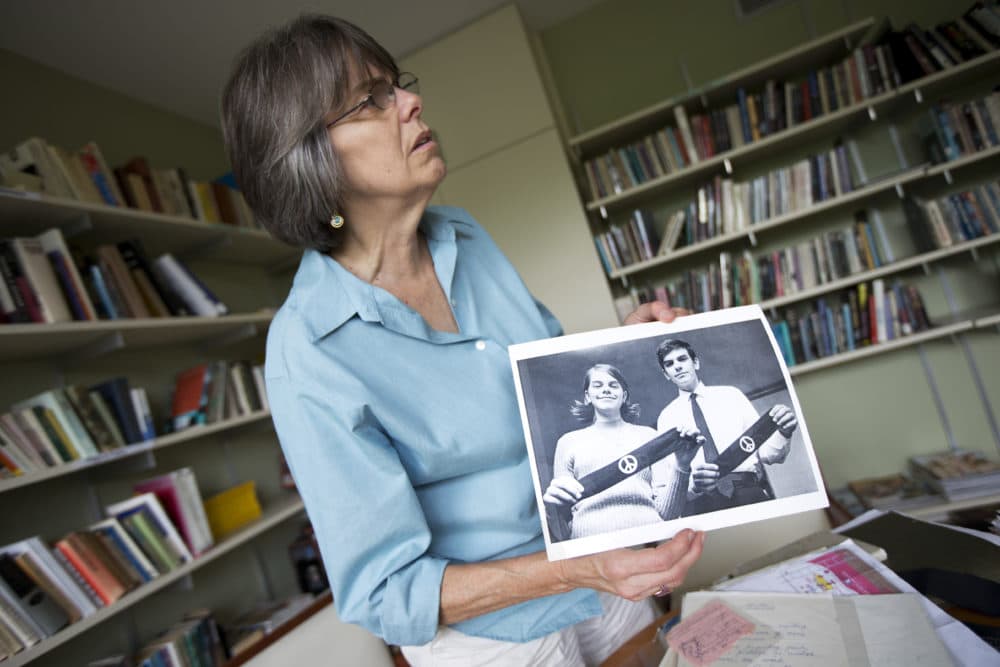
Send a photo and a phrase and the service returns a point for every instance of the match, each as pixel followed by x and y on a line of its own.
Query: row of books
pixel 742 279
pixel 67 424
pixel 216 391
pixel 962 128
pixel 84 174
pixel 44 588
pixel 962 216
pixel 195 641
pixel 45 281
pixel 724 206
pixel 929 479
pixel 870 70
pixel 866 315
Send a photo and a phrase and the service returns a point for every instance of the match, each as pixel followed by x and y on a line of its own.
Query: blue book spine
pixel 744 116
pixel 994 201
pixel 884 247
pixel 600 253
pixel 807 343
pixel 845 311
pixel 876 251
pixel 126 551
pixel 66 282
pixel 984 113
pixel 102 292
pixel 952 151
pixel 107 194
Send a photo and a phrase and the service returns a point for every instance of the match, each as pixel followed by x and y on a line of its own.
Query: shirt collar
pixel 327 295
pixel 699 389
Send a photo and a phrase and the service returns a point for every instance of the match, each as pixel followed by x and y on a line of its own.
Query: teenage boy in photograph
pixel 721 414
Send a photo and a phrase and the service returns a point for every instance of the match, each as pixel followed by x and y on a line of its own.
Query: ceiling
pixel 176 54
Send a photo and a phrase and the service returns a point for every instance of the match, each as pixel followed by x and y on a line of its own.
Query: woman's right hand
pixel 637 573
pixel 563 492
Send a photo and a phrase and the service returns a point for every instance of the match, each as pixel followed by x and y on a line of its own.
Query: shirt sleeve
pixel 371 530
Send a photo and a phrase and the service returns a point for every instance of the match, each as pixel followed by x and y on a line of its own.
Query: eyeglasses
pixel 382 95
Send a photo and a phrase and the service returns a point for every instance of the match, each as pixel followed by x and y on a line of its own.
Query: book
pixel 31 156
pixel 32 600
pixel 37 560
pixel 190 397
pixel 38 272
pixel 178 493
pixel 105 439
pixel 75 174
pixel 23 425
pixel 195 295
pixel 115 269
pixel 16 620
pixel 159 298
pixel 151 507
pixel 116 533
pixel 101 174
pixel 66 421
pixel 91 568
pixel 118 398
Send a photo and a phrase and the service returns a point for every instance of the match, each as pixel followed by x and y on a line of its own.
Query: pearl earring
pixel 337 221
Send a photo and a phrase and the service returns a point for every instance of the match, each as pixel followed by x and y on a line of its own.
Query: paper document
pixel 848 570
pixel 796 630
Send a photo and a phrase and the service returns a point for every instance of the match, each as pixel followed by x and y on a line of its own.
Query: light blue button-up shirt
pixel 406 442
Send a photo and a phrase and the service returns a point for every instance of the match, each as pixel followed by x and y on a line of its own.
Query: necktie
pixel 711 453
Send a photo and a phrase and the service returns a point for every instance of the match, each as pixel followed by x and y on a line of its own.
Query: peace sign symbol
pixel 747 444
pixel 628 464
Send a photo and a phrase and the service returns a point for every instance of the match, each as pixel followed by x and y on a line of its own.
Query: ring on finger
pixel 662 591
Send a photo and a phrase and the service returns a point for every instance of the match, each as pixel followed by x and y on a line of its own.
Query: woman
pixel 638 500
pixel 388 375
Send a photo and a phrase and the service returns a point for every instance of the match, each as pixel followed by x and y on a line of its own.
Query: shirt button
pixel 480 345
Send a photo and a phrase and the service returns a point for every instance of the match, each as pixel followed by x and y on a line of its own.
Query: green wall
pixel 68 112
pixel 623 55
pixel 865 418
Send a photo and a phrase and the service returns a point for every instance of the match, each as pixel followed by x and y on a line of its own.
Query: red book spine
pixel 103 583
pixel 873 332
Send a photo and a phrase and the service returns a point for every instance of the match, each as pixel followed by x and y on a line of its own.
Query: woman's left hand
pixel 655 311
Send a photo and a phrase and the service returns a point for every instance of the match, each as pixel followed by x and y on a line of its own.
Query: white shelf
pixel 941 509
pixel 278 513
pixel 888 269
pixel 822 125
pixel 987 322
pixel 913 176
pixel 28 214
pixel 19 342
pixel 881 348
pixel 129 451
pixel 818 52
pixel 792 217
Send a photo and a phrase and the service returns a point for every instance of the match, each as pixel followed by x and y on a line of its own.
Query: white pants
pixel 587 643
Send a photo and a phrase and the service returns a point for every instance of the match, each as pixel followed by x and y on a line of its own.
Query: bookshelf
pixel 883 135
pixel 249 271
pixel 75 339
pixel 273 516
pixel 179 438
pixel 830 124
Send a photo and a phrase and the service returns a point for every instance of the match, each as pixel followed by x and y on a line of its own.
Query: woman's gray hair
pixel 274 104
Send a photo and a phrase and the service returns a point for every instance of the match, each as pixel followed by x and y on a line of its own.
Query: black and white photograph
pixel 638 432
